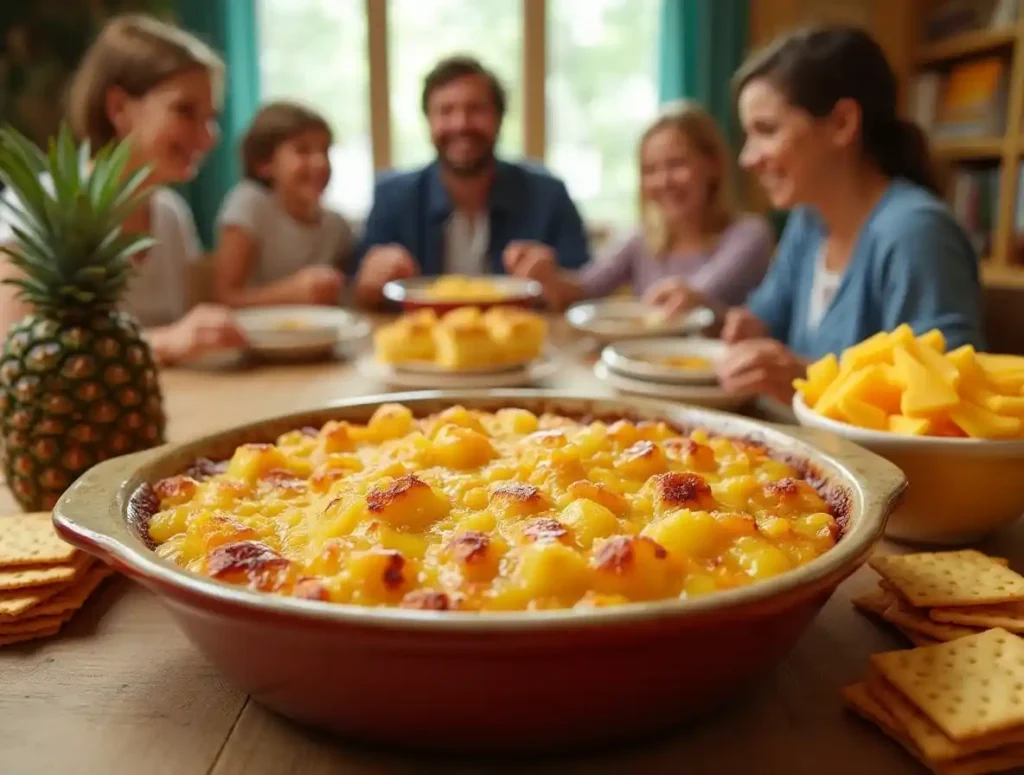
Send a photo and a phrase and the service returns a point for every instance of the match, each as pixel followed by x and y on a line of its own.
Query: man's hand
pixel 763 366
pixel 381 265
pixel 530 260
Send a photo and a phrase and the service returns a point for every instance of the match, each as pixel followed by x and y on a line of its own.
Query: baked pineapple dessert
pixel 463 342
pixel 410 338
pixel 519 334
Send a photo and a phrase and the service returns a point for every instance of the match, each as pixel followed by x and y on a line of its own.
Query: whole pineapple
pixel 78 383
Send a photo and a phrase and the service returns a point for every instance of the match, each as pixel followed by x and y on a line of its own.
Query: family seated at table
pixel 868 244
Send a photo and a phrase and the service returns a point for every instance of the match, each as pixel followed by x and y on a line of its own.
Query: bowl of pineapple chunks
pixel 953 420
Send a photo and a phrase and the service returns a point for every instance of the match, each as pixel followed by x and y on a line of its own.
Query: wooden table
pixel 122 691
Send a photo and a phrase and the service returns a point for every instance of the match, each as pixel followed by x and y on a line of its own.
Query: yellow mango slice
pixel 853 383
pixel 874 349
pixel 909 426
pixel 820 375
pixel 965 360
pixel 1009 383
pixel 933 340
pixel 994 362
pixel 935 363
pixel 981 423
pixel 927 392
pixel 903 334
pixel 862 414
pixel 1008 406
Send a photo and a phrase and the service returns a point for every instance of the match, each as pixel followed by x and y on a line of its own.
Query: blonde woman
pixel 691 235
pixel 159 86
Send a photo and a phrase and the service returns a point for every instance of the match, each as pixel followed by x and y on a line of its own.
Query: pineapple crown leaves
pixel 69 249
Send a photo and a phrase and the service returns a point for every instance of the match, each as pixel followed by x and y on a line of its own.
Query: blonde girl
pixel 691 236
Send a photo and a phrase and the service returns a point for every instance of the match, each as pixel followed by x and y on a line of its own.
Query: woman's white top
pixel 157 293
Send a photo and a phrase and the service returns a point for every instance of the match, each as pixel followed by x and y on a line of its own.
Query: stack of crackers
pixel 942 596
pixel 956 701
pixel 43 580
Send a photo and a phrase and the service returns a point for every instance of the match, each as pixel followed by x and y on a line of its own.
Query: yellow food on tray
pixel 465 338
pixel 465 288
pixel 492 511
pixel 910 385
pixel 693 362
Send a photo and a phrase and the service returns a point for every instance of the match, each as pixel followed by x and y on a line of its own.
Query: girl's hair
pixel 135 53
pixel 816 67
pixel 272 125
pixel 701 131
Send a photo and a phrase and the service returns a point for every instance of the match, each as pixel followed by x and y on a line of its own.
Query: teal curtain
pixel 230 27
pixel 701 44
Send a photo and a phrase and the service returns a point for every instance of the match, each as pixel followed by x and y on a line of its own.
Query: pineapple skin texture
pixel 73 394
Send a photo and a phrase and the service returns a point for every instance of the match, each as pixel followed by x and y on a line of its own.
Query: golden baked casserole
pixel 479 511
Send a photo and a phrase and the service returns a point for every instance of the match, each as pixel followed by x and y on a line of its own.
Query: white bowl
pixel 300 331
pixel 634 358
pixel 960 489
pixel 613 319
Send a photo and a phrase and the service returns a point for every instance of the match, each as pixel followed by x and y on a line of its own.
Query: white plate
pixel 709 396
pixel 636 358
pixel 300 331
pixel 613 319
pixel 430 367
pixel 533 372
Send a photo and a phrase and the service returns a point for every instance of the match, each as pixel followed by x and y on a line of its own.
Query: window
pixel 590 106
pixel 422 32
pixel 601 92
pixel 314 51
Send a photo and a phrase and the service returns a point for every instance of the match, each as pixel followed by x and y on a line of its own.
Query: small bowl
pixel 610 320
pixel 296 332
pixel 414 293
pixel 635 358
pixel 960 490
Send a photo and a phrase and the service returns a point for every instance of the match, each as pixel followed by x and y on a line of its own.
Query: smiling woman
pixel 869 245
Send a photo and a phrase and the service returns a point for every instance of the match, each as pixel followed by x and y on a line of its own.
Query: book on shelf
pixel 974 194
pixel 956 17
pixel 925 90
pixel 973 99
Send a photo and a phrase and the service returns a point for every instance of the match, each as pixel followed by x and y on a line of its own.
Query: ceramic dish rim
pixel 172 581
pixel 357 327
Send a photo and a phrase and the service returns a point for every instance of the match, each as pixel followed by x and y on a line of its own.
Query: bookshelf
pixel 966 88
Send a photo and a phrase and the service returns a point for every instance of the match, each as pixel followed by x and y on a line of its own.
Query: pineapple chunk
pixel 935 363
pixel 909 426
pixel 461 448
pixel 251 461
pixel 589 521
pixel 689 533
pixel 820 375
pixel 927 392
pixel 863 414
pixel 980 423
pixel 635 566
pixel 933 340
pixel 870 385
pixel 874 349
pixel 1008 406
pixel 407 502
pixel 964 360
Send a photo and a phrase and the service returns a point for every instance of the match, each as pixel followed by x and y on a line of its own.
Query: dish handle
pixel 89 515
pixel 882 479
